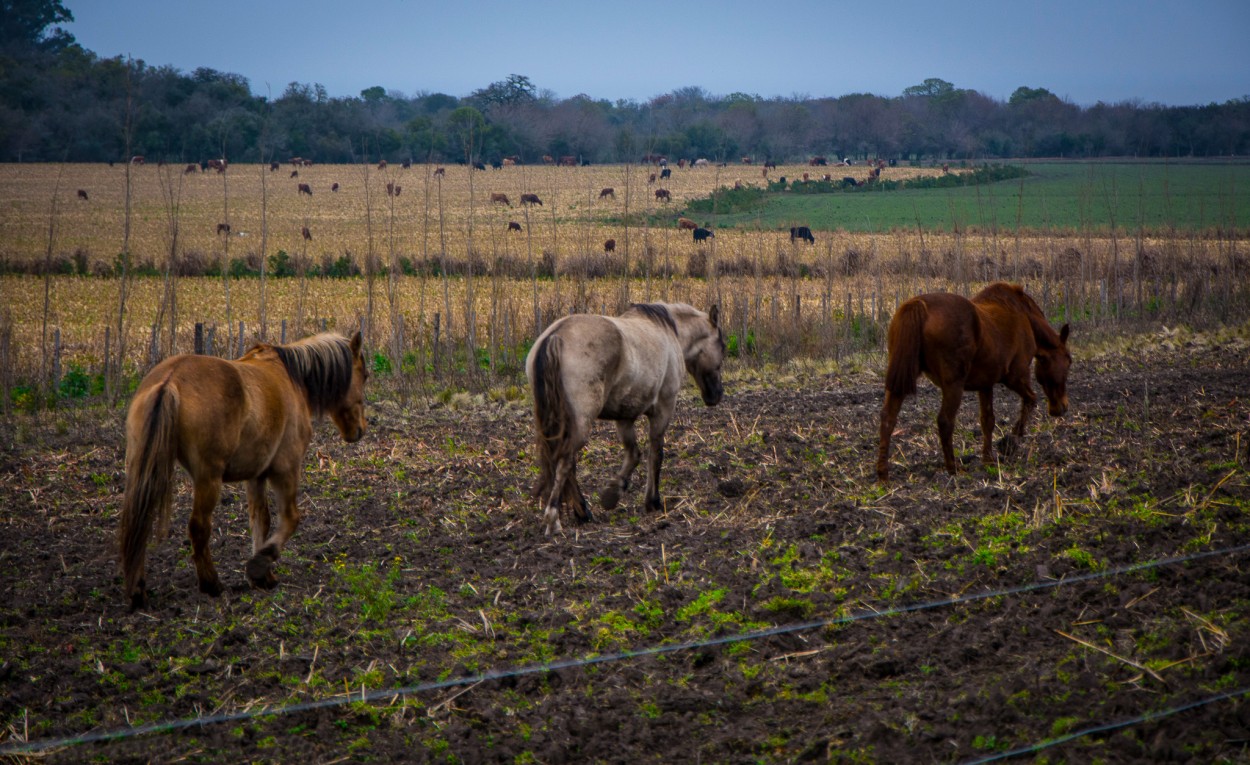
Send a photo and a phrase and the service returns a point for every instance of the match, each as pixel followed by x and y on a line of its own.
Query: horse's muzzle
pixel 712 395
pixel 1058 408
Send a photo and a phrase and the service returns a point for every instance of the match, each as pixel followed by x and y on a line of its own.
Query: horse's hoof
pixel 259 572
pixel 138 600
pixel 211 587
pixel 610 497
pixel 1007 445
pixel 655 505
pixel 583 513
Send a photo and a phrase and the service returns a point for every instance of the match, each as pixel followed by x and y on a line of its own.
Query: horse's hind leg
pixel 951 397
pixel 611 496
pixel 258 512
pixel 259 567
pixel 986 398
pixel 200 528
pixel 564 484
pixel 889 417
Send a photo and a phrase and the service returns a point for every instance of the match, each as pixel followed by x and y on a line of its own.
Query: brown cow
pixel 508 162
pixel 382 164
pixel 223 228
pixel 304 188
pixel 82 193
pixel 191 168
pixel 334 187
pixel 746 160
pixel 273 166
pixel 531 199
pixel 501 199
pixel 609 246
pixel 568 160
pixel 651 179
pixel 217 164
pixel 440 172
pixel 294 173
pixel 307 234
pixel 514 226
pixel 663 195
pixel 306 162
pixel 137 159
pixel 392 190
pixel 547 159
pixel 608 191
pixel 686 223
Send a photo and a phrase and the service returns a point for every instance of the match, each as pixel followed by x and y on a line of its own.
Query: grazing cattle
pixel 818 161
pixel 654 159
pixel 217 164
pixel 508 162
pixel 700 162
pixel 763 172
pixel 191 168
pixel 806 177
pixel 439 172
pixel 703 234
pixel 531 199
pixel 568 160
pixel 746 160
pixel 547 159
pixel 479 166
pixel 686 224
pixel 496 164
pixel 802 232
pixel 306 162
pixel 334 187
pixel 651 179
pixel 392 190
pixel 137 159
pixel 945 168
pixel 609 245
pixel 770 165
pixel 297 161
pixel 681 163
pixel 497 198
pixel 738 185
pixel 514 226
pixel 849 183
pixel 826 177
pixel 273 166
pixel 223 228
pixel 307 234
pixel 666 173
pixel 304 188
pixel 382 164
pixel 294 173
pixel 82 193
pixel 663 195
pixel 607 191
pixel 407 165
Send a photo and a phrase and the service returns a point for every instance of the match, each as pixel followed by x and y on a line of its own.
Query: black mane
pixel 657 313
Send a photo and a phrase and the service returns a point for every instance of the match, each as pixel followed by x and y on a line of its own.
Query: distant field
pixel 1057 196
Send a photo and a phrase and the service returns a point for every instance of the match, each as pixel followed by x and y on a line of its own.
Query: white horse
pixel 587 367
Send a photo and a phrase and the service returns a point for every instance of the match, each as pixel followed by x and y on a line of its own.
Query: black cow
pixel 702 234
pixel 802 232
pixel 666 173
pixel 849 183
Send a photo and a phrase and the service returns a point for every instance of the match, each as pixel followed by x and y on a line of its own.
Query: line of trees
pixel 61 102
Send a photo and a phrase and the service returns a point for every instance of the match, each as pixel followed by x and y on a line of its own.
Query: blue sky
pixel 1176 53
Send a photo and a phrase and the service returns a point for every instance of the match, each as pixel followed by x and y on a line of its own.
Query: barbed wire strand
pixel 367 696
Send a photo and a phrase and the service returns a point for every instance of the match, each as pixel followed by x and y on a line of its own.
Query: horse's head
pixel 705 356
pixel 349 413
pixel 1051 369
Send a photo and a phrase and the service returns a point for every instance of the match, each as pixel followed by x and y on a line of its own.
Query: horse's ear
pixel 713 316
pixel 356 341
pixel 1063 333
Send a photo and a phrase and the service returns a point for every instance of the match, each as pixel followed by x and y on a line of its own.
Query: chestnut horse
pixel 616 368
pixel 245 420
pixel 962 344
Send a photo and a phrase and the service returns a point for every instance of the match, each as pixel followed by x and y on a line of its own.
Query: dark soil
pixel 422 558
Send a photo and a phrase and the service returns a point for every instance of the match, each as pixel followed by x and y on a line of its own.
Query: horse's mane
pixel 322 366
pixel 656 312
pixel 1014 295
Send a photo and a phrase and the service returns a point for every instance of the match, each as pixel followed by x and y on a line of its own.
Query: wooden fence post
pixel 199 338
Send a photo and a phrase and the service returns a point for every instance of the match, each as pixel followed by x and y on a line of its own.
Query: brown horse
pixel 245 420
pixel 962 344
pixel 616 368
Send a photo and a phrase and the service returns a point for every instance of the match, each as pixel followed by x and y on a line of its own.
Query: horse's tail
pixel 905 340
pixel 551 411
pixel 149 486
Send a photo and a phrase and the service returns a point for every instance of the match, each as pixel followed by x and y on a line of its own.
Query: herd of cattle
pixel 699 233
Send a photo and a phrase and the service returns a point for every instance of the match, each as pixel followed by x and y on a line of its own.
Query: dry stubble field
pixel 785 607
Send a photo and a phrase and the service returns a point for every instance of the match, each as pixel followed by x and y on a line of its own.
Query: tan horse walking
pixel 246 420
pixel 616 368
